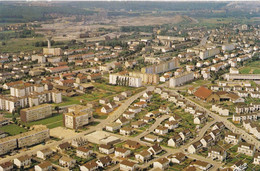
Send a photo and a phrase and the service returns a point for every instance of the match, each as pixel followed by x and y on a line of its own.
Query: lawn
pixel 256 71
pixel 112 88
pixel 245 70
pixel 51 122
pixel 251 68
pixel 13 129
pixel 95 95
pixel 101 91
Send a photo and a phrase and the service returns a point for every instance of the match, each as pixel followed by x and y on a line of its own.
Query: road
pixel 112 117
pixel 155 125
pixel 203 41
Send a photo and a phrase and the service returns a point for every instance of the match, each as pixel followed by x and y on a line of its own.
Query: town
pixel 111 89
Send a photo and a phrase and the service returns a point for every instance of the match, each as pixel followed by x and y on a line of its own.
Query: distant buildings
pixel 242 77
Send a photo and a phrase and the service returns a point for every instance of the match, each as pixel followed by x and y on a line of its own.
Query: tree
pixel 57 108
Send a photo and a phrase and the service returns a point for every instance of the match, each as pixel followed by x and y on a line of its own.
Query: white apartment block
pixel 11 103
pixel 207 53
pixel 116 79
pixel 78 118
pixel 181 79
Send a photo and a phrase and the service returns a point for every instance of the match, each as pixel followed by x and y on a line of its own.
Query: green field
pixel 13 129
pixel 245 70
pixel 51 122
pixel 251 68
pixel 20 45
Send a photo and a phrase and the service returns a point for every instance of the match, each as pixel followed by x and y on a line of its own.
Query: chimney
pixel 49 42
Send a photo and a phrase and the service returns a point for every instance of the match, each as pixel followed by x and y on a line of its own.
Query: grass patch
pixel 22 44
pixel 13 129
pixel 245 70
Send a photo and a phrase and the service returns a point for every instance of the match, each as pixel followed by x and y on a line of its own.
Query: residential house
pixel 161 130
pixel 135 109
pixel 232 138
pixel 126 131
pixel 219 125
pixel 45 166
pixel 64 146
pixel 143 156
pixel 67 162
pixel 195 147
pixel 147 119
pixel 122 121
pixel 217 153
pixel 246 148
pixel 201 165
pixel 177 158
pixel 171 124
pixel 164 109
pixel 150 138
pixel 44 154
pixel 113 127
pixel 140 104
pixel 104 161
pixel 106 149
pixel 23 161
pixel 175 141
pixel 256 158
pixel 126 93
pixel 112 105
pixel 83 152
pixel 185 134
pixel 207 141
pixel 200 119
pixel 119 98
pixel 252 128
pixel 127 165
pixel 138 124
pixel 122 152
pixel 106 109
pixel 129 115
pixel 89 166
pixel 239 166
pixel 161 163
pixel 155 149
pixel 132 144
pixel 216 134
pixel 7 166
